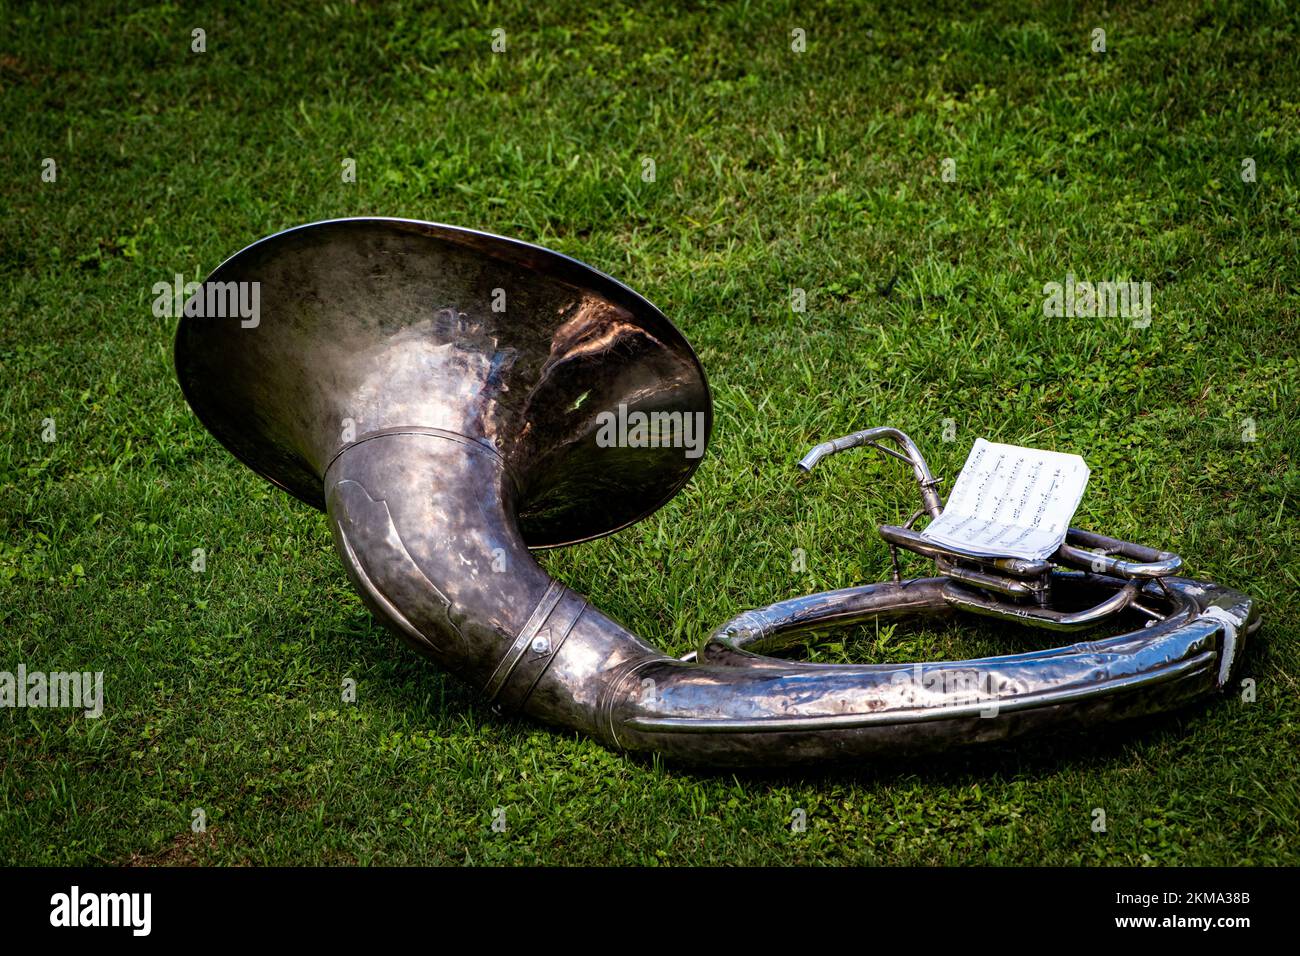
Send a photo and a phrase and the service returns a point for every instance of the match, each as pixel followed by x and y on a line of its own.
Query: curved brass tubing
pixel 453 399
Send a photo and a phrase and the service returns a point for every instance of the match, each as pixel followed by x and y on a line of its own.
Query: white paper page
pixel 1011 502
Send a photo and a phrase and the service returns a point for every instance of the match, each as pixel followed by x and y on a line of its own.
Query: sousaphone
pixel 453 399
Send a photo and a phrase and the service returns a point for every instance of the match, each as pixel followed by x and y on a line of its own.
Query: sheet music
pixel 1010 501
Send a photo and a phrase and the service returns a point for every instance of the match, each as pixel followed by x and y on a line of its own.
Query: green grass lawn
pixel 775 170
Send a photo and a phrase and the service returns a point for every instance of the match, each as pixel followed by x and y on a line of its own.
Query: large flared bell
pixel 363 326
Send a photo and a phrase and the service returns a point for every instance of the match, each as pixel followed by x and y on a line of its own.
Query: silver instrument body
pixel 445 438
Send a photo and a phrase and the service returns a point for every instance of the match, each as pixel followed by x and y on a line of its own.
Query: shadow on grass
pixel 414 682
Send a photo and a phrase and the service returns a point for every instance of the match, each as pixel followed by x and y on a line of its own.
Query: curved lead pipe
pixel 869 436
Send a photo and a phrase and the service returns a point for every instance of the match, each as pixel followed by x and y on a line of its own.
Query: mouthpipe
pixel 815 454
pixel 869 436
pixel 425 523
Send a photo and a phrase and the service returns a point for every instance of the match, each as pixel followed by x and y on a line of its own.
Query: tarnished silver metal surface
pixel 444 395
